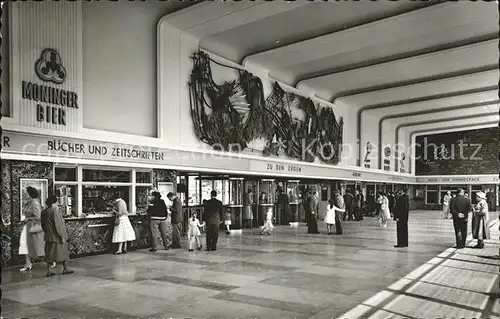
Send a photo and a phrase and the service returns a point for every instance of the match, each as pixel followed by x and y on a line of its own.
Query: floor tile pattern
pixel 290 274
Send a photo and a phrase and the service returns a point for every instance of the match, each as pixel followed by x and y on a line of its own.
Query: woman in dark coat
pixel 56 238
pixel 480 218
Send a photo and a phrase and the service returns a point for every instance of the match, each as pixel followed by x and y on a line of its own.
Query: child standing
pixel 330 217
pixel 268 225
pixel 227 222
pixel 194 232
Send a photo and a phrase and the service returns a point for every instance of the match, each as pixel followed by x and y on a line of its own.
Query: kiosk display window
pixel 88 191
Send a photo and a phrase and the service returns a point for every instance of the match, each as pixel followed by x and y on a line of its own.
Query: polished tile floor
pixel 289 274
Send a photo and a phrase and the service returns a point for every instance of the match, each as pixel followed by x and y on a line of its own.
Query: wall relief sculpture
pixel 231 115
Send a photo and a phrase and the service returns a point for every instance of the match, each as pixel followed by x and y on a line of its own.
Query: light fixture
pixel 278 41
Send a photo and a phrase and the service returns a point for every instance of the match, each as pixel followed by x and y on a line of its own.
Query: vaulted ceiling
pixel 363 54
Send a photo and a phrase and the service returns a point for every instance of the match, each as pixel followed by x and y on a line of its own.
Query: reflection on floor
pixel 287 275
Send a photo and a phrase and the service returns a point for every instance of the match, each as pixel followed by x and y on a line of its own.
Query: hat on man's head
pixel 481 195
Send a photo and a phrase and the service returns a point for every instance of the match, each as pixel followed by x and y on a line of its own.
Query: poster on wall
pixel 41 185
pixel 369 148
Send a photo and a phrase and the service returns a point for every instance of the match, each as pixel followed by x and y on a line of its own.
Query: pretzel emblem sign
pixel 49 67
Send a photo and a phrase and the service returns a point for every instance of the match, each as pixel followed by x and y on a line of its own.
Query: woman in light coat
pixel 31 242
pixel 480 218
pixel 385 212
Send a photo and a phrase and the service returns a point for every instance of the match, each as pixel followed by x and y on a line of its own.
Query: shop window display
pixel 98 199
pixel 66 199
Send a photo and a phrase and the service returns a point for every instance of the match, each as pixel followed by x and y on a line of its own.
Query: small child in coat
pixel 227 222
pixel 268 225
pixel 194 232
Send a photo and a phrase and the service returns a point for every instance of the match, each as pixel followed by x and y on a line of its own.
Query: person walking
pixel 480 220
pixel 194 232
pixel 460 207
pixel 177 218
pixel 159 221
pixel 212 215
pixel 123 231
pixel 268 224
pixel 56 237
pixel 312 212
pixel 446 205
pixel 401 212
pixel 31 243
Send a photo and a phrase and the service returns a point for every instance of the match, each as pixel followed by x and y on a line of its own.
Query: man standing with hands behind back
pixel 460 208
pixel 212 215
pixel 401 212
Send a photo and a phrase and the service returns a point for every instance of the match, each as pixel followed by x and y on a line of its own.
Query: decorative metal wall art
pixel 235 113
pixel 228 115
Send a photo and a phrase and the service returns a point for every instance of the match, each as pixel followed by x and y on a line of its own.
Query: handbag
pixel 117 220
pixel 35 228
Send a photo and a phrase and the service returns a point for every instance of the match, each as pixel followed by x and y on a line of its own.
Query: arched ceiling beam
pixel 451 85
pixel 331 31
pixel 400 115
pixel 479 57
pixel 393 58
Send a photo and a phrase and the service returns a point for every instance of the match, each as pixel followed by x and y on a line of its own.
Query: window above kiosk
pixel 111 176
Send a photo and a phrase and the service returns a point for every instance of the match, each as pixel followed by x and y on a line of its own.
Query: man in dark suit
pixel 358 205
pixel 460 207
pixel 401 212
pixel 348 201
pixel 212 215
pixel 176 220
pixel 312 210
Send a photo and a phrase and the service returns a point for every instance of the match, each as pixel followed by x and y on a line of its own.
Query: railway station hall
pixel 250 159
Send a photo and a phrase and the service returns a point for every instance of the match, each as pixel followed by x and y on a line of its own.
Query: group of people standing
pixel 348 207
pixel 167 224
pixel 459 207
pixel 44 233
